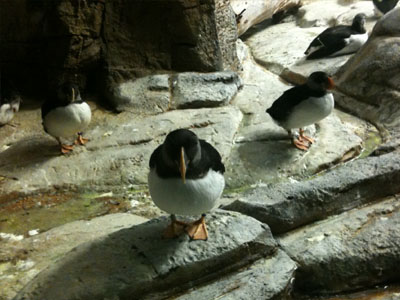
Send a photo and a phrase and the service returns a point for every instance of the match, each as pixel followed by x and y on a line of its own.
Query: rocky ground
pixel 291 223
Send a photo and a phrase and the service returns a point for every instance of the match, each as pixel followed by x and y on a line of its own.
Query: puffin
pixel 339 40
pixel 186 178
pixel 66 114
pixel 304 105
pixel 9 101
pixel 383 6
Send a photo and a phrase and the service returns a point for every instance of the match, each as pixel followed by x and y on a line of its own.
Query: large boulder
pixel 135 262
pixel 372 76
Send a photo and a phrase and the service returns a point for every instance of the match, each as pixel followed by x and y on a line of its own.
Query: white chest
pixel 194 197
pixel 353 43
pixel 309 112
pixel 6 113
pixel 68 120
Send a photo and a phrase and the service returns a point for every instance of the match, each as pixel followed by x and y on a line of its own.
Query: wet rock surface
pixel 136 261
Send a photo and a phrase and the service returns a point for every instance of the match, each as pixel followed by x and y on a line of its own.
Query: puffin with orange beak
pixel 304 105
pixel 186 178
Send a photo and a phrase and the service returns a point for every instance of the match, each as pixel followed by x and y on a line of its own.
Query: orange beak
pixel 331 85
pixel 182 165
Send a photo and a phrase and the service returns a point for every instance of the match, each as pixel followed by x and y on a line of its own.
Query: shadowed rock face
pixel 136 261
pixel 372 77
pixel 47 41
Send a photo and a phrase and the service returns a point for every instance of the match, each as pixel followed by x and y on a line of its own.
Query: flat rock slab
pixel 286 206
pixel 23 258
pixel 263 151
pixel 118 151
pixel 159 93
pixel 280 49
pixel 135 262
pixel 332 12
pixel 356 249
pixel 266 279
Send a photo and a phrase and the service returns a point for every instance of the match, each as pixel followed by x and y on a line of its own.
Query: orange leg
pixel 174 229
pixel 304 137
pixel 198 229
pixel 65 148
pixel 80 140
pixel 298 142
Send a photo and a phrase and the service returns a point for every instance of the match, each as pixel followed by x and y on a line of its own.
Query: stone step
pixel 287 206
pixel 135 262
pixel 357 249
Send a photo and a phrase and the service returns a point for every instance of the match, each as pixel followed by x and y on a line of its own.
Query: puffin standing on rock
pixel 186 178
pixel 65 115
pixel 339 40
pixel 304 105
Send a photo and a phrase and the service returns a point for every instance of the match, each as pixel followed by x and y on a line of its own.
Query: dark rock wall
pixel 45 41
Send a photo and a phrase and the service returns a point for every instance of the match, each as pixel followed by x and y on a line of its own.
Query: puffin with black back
pixel 186 178
pixel 304 105
pixel 339 40
pixel 66 114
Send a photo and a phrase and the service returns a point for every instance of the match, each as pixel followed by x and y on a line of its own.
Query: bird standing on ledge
pixel 186 178
pixel 65 115
pixel 304 105
pixel 339 40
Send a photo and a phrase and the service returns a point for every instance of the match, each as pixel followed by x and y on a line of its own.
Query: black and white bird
pixel 65 115
pixel 304 105
pixel 339 40
pixel 383 6
pixel 9 101
pixel 186 178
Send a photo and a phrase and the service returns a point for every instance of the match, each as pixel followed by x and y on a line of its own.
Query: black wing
pixel 154 157
pixel 211 157
pixel 330 41
pixel 282 106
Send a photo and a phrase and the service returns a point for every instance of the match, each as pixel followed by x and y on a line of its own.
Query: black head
pixel 359 22
pixel 181 150
pixel 320 81
pixel 68 93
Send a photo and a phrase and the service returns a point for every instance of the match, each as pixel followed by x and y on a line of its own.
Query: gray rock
pixel 134 262
pixel 25 258
pixel 164 36
pixel 372 77
pixel 332 13
pixel 280 49
pixel 356 249
pixel 287 206
pixel 150 94
pixel 159 93
pixel 266 279
pixel 263 152
pixel 117 154
pixel 194 90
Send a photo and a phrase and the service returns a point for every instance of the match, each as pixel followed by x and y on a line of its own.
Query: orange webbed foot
pixel 198 229
pixel 174 229
pixel 80 140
